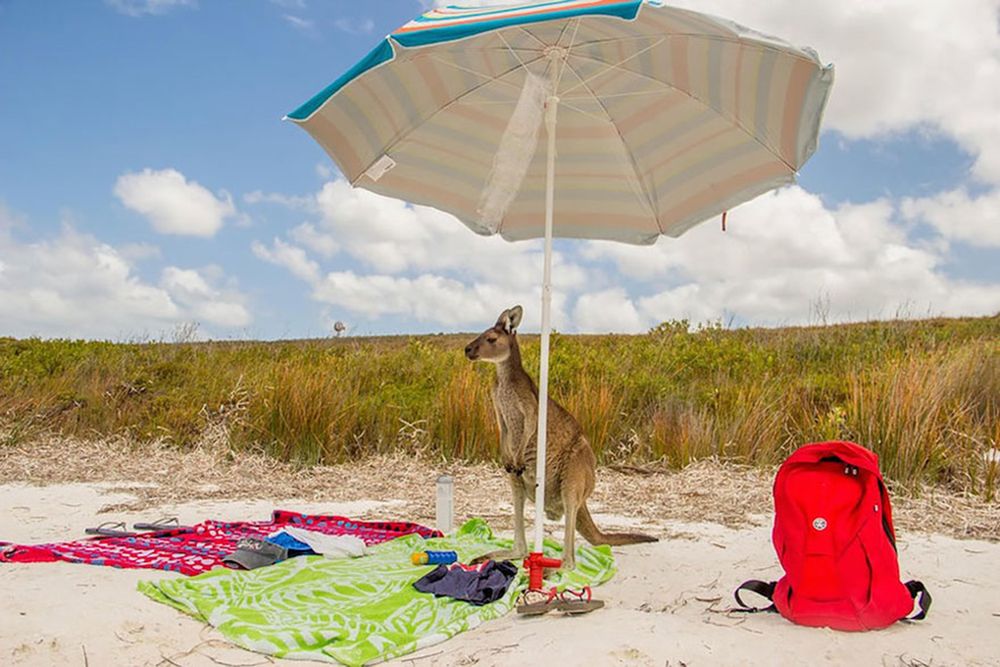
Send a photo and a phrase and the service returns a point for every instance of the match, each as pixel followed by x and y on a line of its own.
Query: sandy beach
pixel 666 606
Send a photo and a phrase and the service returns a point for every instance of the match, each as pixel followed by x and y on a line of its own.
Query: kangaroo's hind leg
pixel 577 485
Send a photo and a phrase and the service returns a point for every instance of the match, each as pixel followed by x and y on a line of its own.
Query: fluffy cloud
pixel 391 236
pixel 608 310
pixel 359 27
pixel 291 257
pixel 959 216
pixel 424 263
pixel 299 23
pixel 136 8
pixel 203 301
pixel 72 285
pixel 433 299
pixel 783 253
pixel 173 204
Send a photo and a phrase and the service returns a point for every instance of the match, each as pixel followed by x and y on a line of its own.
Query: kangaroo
pixel 569 461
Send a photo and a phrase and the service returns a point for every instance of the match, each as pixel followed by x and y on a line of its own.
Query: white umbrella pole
pixel 551 106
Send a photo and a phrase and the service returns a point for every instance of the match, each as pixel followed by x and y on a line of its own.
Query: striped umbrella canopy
pixel 666 117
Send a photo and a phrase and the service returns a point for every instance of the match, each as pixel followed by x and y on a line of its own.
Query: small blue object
pixel 295 547
pixel 434 557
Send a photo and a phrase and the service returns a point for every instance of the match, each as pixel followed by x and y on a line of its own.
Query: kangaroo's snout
pixel 470 351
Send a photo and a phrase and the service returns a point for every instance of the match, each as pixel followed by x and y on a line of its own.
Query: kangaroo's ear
pixel 502 321
pixel 509 319
pixel 514 318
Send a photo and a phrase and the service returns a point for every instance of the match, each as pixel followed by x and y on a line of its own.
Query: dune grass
pixel 925 395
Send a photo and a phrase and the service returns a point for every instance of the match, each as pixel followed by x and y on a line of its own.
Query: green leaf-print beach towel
pixel 355 611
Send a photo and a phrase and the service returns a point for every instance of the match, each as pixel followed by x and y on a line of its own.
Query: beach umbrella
pixel 657 117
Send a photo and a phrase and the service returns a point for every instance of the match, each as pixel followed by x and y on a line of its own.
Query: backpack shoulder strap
pixel 917 588
pixel 762 588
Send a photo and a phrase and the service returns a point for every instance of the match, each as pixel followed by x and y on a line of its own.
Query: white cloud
pixel 291 257
pixel 609 310
pixel 289 201
pixel 137 8
pixel 324 171
pixel 391 236
pixel 355 27
pixel 173 204
pixel 72 285
pixel 433 299
pixel 959 216
pixel 299 23
pixel 319 242
pixel 205 302
pixel 782 253
pixel 424 263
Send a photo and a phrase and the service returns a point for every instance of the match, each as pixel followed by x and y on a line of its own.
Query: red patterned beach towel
pixel 199 548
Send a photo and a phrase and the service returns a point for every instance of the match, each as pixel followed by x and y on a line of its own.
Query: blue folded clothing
pixel 295 547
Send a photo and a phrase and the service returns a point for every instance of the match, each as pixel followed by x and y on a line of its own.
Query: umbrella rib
pixel 402 137
pixel 733 120
pixel 569 49
pixel 512 52
pixel 532 35
pixel 637 183
pixel 487 77
pixel 584 82
pixel 611 95
pixel 563 103
pixel 712 38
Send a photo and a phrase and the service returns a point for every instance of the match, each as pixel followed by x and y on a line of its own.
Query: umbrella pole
pixel 551 107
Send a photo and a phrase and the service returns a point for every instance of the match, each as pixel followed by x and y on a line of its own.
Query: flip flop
pixel 111 529
pixel 166 523
pixel 577 602
pixel 537 602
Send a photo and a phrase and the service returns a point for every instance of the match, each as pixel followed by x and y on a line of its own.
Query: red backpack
pixel 834 537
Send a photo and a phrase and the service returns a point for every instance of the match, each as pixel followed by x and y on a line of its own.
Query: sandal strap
pixel 582 595
pixel 113 525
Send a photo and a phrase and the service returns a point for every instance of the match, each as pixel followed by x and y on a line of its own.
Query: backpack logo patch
pixel 819 523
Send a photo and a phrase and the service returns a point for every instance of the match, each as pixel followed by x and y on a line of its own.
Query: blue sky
pixel 110 111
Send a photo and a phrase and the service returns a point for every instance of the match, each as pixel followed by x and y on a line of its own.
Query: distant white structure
pixel 339 327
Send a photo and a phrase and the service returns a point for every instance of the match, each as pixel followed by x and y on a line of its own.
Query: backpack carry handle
pixel 762 588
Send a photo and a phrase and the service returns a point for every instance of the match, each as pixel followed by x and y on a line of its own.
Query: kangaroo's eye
pixel 491 340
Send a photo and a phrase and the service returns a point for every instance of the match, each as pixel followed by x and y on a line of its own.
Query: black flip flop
pixel 166 523
pixel 111 529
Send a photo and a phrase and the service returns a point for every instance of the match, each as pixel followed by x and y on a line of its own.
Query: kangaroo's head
pixel 494 344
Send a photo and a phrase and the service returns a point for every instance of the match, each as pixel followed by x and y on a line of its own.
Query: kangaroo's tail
pixel 586 526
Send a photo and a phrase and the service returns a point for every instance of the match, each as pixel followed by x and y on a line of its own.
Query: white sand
pixel 661 607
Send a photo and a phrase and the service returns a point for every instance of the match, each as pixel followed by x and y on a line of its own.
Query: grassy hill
pixel 924 394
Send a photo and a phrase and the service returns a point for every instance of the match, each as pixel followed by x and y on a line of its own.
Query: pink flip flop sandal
pixel 537 602
pixel 578 602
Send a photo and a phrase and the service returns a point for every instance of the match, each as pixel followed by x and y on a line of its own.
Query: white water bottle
pixel 445 503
